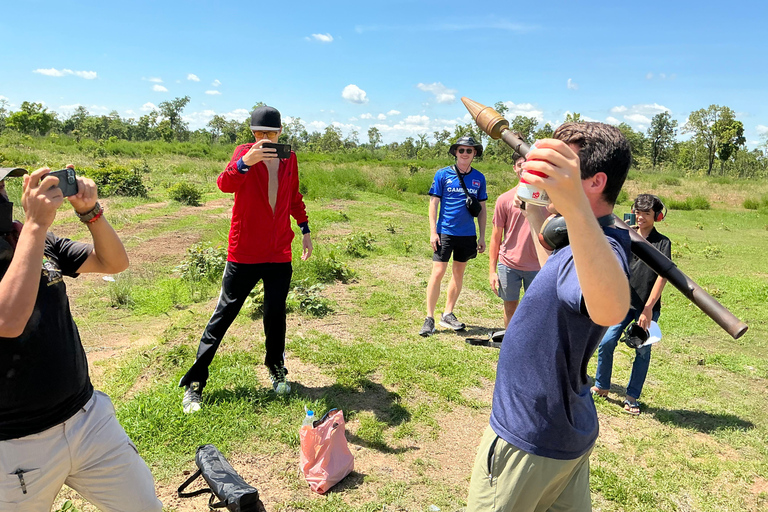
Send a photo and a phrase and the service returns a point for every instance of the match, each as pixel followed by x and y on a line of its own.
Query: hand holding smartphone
pixel 67 181
pixel 283 150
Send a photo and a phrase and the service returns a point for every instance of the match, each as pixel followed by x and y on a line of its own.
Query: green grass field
pixel 415 408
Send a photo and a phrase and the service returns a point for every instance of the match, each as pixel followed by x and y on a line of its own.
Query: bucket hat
pixel 466 141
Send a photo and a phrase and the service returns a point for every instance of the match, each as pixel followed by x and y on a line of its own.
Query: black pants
pixel 239 279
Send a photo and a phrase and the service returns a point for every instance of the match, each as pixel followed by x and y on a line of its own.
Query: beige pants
pixel 507 479
pixel 90 452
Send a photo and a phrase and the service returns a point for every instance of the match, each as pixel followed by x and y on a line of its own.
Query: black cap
pixel 11 172
pixel 466 141
pixel 266 119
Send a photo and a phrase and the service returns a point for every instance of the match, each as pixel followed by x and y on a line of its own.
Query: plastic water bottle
pixel 309 419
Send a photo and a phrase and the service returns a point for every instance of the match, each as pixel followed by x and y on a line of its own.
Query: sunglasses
pixel 265 135
pixel 468 151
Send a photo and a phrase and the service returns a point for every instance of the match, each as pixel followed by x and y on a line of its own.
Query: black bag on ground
pixel 224 483
pixel 472 203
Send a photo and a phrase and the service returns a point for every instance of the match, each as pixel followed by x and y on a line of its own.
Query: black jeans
pixel 239 279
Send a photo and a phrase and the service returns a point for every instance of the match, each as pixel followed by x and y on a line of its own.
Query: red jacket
pixel 257 234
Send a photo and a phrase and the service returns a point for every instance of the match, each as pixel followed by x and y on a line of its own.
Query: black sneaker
pixel 193 395
pixel 450 321
pixel 279 382
pixel 428 329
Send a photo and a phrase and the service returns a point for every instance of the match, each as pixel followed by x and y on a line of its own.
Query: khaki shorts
pixel 89 452
pixel 507 479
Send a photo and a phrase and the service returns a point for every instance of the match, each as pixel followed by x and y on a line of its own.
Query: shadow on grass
pixel 352 481
pixel 705 422
pixel 369 396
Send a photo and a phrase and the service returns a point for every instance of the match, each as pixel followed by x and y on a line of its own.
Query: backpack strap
pixel 188 481
pixel 461 180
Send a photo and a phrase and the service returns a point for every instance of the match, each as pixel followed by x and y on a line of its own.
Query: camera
pixel 67 181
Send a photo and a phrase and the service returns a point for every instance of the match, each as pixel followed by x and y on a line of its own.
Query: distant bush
pixel 326 269
pixel 751 204
pixel 670 181
pixel 185 193
pixel 722 180
pixel 689 203
pixel 623 197
pixel 116 180
pixel 203 262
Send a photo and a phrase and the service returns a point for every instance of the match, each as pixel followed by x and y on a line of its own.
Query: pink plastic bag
pixel 325 456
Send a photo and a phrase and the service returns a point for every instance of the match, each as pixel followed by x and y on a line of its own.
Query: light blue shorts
pixel 510 281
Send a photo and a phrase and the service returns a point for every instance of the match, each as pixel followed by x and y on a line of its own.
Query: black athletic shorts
pixel 464 248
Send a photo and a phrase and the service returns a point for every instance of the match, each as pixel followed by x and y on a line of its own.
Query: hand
pixel 256 154
pixel 434 240
pixel 85 199
pixel 493 278
pixel 562 168
pixel 644 320
pixel 520 205
pixel 41 197
pixel 481 246
pixel 306 247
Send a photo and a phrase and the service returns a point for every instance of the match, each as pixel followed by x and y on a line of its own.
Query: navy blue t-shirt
pixel 455 218
pixel 541 402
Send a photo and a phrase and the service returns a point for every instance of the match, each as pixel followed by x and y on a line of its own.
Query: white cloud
pixel 354 94
pixel 619 110
pixel 366 116
pixel 393 113
pixel 159 88
pixel 612 120
pixel 213 93
pixel 381 117
pixel 88 75
pixel 649 76
pixel 323 38
pixel 316 126
pixel 523 109
pixel 130 112
pixel 441 92
pixel 3 98
pixel 155 80
pixel 346 128
pixel 638 118
pixel 148 107
pixel 216 83
pixel 193 77
pixel 761 128
pixel 572 85
pixel 353 119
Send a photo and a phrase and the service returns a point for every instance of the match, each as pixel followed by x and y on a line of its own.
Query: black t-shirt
pixel 642 278
pixel 44 372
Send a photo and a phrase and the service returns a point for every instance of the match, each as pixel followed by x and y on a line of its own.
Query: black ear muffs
pixel 554 232
pixel 635 336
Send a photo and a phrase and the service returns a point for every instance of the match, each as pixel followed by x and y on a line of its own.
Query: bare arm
pixel 646 316
pixel 497 234
pixel 434 239
pixel 604 285
pixel 482 221
pixel 18 287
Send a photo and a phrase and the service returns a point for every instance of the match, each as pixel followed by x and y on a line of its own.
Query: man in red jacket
pixel 266 196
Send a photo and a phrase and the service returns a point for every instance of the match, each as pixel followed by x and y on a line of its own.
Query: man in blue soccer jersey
pixel 453 231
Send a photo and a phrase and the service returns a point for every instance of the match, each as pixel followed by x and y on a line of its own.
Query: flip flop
pixel 632 408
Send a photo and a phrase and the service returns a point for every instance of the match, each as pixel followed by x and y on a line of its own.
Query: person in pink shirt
pixel 512 255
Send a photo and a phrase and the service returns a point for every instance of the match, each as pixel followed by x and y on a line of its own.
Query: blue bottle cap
pixel 310 413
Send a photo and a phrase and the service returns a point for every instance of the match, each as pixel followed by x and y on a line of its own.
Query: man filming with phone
pixel 266 190
pixel 54 428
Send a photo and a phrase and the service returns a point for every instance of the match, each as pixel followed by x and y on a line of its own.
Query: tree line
pixel 716 143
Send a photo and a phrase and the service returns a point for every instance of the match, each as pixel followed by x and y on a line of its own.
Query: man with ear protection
pixel 646 287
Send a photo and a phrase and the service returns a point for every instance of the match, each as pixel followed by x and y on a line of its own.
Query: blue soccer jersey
pixel 454 218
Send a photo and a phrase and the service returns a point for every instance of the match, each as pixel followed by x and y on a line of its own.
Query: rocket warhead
pixel 490 121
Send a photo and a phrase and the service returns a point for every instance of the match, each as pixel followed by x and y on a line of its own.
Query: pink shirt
pixel 517 250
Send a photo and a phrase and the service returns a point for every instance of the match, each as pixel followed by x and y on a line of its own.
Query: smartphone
pixel 630 218
pixel 67 181
pixel 283 150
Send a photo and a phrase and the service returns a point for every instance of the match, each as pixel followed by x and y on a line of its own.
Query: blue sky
pixel 399 65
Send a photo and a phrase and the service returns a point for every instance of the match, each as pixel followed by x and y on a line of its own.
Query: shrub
pixel 185 193
pixel 308 299
pixel 327 269
pixel 203 263
pixel 359 244
pixel 671 181
pixel 116 180
pixel 121 292
pixel 751 204
pixel 623 197
pixel 689 203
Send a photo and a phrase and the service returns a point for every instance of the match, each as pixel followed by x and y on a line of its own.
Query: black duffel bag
pixel 224 483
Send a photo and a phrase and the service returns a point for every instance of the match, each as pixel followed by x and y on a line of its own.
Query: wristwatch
pixel 89 216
